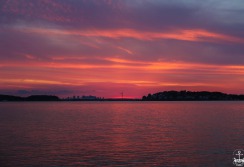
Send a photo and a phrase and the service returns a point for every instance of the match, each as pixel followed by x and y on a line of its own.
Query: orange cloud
pixel 126 64
pixel 172 76
pixel 122 73
pixel 181 34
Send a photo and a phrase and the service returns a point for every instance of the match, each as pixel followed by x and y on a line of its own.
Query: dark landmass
pixel 56 98
pixel 191 96
pixel 10 98
pixel 160 96
pixel 29 98
pixel 42 98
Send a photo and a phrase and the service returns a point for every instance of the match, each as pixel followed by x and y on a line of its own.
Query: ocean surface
pixel 167 134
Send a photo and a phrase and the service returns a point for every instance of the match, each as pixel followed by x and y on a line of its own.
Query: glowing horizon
pixel 103 48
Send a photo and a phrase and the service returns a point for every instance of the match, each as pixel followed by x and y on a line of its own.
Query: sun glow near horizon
pixel 66 49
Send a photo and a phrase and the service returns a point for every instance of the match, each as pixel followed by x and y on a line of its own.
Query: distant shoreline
pixel 117 100
pixel 160 96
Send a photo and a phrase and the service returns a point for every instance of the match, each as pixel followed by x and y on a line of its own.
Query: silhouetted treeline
pixel 160 96
pixel 30 98
pixel 191 96
pixel 10 98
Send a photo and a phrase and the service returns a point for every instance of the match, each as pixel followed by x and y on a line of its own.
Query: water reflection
pixel 120 133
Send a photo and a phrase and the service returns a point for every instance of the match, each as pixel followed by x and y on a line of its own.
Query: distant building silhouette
pixel 89 97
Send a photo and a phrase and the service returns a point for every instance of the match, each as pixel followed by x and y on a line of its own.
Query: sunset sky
pixel 105 47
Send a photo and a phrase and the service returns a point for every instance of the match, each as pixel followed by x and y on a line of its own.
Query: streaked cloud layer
pixel 91 47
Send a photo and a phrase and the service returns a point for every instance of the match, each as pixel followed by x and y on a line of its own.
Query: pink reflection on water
pixel 121 133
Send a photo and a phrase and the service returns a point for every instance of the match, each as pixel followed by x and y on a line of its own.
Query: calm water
pixel 120 133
